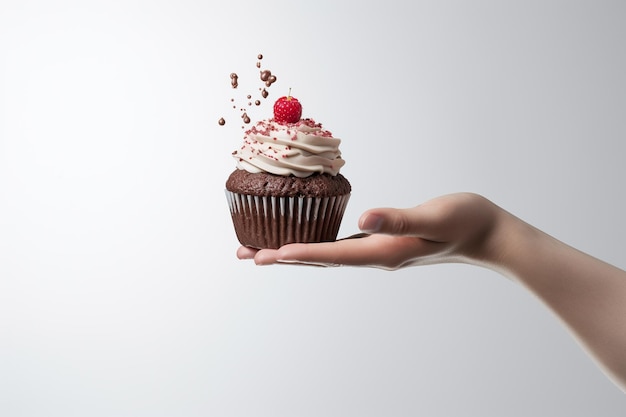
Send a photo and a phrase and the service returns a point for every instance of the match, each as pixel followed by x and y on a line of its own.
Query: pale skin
pixel 588 295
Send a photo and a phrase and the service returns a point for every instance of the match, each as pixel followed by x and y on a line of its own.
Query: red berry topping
pixel 287 110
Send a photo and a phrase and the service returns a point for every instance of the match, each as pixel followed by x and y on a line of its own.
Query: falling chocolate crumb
pixel 266 77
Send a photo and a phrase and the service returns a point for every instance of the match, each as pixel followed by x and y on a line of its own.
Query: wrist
pixel 502 240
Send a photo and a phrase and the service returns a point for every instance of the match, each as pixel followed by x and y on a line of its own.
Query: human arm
pixel 588 294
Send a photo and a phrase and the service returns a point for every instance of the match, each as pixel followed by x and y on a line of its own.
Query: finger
pixel 245 252
pixel 286 256
pixel 271 256
pixel 381 251
pixel 403 222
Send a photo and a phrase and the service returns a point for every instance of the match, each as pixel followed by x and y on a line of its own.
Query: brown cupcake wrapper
pixel 271 222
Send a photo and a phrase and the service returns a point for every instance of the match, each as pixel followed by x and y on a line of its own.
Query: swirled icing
pixel 300 149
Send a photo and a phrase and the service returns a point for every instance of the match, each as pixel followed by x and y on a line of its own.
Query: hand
pixel 454 227
pixel 586 293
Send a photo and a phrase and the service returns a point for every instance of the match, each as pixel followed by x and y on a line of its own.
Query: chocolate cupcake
pixel 287 187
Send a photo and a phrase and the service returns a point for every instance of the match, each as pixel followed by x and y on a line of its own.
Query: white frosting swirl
pixel 300 149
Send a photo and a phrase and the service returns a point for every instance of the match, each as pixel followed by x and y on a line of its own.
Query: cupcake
pixel 287 187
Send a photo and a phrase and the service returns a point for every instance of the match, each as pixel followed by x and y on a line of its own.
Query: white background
pixel 120 292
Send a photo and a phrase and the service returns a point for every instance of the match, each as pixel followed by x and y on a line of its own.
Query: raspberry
pixel 287 109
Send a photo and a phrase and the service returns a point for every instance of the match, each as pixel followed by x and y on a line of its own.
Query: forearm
pixel 588 294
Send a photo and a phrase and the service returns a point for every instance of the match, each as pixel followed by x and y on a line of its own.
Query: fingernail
pixel 371 223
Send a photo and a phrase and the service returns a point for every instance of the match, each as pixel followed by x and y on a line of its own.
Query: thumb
pixel 389 221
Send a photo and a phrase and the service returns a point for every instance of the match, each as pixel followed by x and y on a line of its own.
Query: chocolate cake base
pixel 262 183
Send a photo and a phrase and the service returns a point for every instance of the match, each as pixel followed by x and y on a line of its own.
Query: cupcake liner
pixel 271 222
